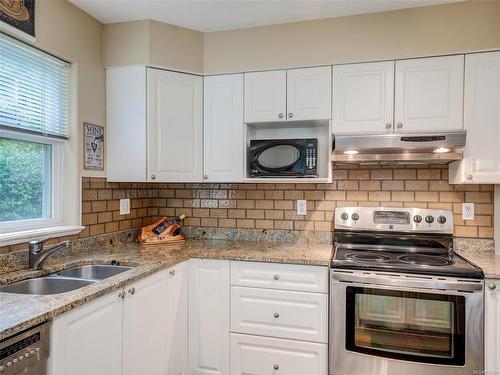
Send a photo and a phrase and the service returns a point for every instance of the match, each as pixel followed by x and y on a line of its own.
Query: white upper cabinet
pixel 265 96
pixel 309 93
pixel 429 94
pixel 175 126
pixel 481 163
pixel 363 98
pixel 224 148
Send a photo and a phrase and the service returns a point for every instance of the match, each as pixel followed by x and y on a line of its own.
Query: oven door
pixel 277 158
pixel 388 329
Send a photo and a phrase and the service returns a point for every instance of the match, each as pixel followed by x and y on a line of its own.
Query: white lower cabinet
pixel 140 329
pixel 492 327
pixel 270 356
pixel 88 340
pixel 208 317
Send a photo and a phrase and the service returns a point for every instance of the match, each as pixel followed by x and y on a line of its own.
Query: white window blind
pixel 33 89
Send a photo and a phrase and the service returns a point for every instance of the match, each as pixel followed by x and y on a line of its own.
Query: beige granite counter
pixel 482 254
pixel 20 312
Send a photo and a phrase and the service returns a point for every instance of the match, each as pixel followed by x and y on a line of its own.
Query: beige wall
pixel 451 28
pixel 153 43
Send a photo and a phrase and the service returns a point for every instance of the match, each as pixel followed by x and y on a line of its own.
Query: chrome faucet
pixel 38 255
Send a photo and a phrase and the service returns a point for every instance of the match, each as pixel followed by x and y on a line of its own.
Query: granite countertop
pixel 20 312
pixel 482 254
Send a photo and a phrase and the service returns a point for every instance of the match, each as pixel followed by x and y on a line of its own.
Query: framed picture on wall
pixel 93 147
pixel 18 17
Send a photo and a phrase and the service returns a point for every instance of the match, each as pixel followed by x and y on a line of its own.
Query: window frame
pixel 57 182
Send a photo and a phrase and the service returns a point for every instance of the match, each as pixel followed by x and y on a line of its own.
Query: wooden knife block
pixel 146 236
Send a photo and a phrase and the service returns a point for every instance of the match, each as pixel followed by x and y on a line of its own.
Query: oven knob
pixel 32 352
pixel 429 219
pixel 9 364
pixel 355 216
pixel 14 361
pixel 417 219
pixel 344 216
pixel 441 220
pixel 2 368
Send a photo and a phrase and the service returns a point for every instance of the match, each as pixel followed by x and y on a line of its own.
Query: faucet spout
pixel 38 255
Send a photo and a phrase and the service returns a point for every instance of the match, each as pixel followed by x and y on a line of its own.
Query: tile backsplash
pixel 271 206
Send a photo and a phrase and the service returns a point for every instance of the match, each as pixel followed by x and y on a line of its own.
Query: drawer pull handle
pixel 172 272
pixel 276 277
pixel 276 315
pixel 276 367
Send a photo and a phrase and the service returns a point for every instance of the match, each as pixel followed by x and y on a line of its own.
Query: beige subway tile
pixel 314 195
pixel 104 217
pixel 173 202
pixel 122 225
pixel 440 206
pixel 201 212
pixel 166 193
pixel 368 204
pixel 264 224
pixel 274 214
pixel 379 195
pixel 294 194
pixel 218 212
pixel 381 174
pixel 485 232
pixel 426 196
pixel 440 185
pixel 185 194
pixel 113 205
pixel 464 231
pixel 348 185
pixel 245 203
pixel 283 224
pixel 475 197
pixel 236 213
pixel 466 187
pixel 99 206
pixel 193 221
pixel 483 209
pixel 227 203
pixel 325 205
pixel 97 182
pixel 98 229
pixel 402 196
pixel 264 204
pixel 315 215
pixel 89 195
pixel 361 174
pixel 393 185
pixel 329 215
pixel 111 227
pixel 237 194
pixel 86 207
pixel 266 186
pixel 274 194
pixel 255 214
pixel 480 221
pixel 104 194
pixel 347 203
pixel 283 205
pixel 285 186
pixel 357 195
pixel 339 175
pixel 245 223
pixel 323 226
pixel 208 222
pixel 416 185
pixel 451 196
pixel 88 219
pixel 487 187
pixel 429 174
pixel 391 204
pixel 305 186
pixel 415 204
pixel 369 185
pixel 303 225
pixel 335 195
pixel 255 194
pixel 227 223
pixel 405 174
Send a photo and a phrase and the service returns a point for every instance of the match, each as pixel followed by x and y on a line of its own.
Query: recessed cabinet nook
pixel 179 127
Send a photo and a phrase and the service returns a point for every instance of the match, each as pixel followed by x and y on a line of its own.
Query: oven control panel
pixel 390 219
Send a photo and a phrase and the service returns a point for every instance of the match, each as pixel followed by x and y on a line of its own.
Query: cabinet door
pixel 144 326
pixel 492 326
pixel 126 123
pixel 429 94
pixel 177 323
pixel 482 118
pixel 363 98
pixel 264 355
pixel 208 317
pixel 88 340
pixel 175 133
pixel 309 93
pixel 265 96
pixel 223 108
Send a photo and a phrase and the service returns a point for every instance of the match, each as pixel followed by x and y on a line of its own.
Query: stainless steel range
pixel 401 301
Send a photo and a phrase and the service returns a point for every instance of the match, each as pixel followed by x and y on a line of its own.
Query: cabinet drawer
pixel 280 276
pixel 279 313
pixel 268 356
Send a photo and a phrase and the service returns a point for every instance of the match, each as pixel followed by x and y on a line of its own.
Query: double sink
pixel 66 280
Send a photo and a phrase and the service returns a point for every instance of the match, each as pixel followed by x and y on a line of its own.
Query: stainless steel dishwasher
pixel 26 352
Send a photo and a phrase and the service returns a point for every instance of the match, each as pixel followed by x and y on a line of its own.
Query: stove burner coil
pixel 425 260
pixel 368 257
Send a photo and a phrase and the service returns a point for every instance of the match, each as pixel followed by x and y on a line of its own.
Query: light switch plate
pixel 124 206
pixel 301 207
pixel 467 211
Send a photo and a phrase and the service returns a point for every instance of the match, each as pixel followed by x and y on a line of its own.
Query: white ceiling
pixel 210 15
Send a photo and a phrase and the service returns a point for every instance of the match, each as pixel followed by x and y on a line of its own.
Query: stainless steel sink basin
pixel 45 285
pixel 95 272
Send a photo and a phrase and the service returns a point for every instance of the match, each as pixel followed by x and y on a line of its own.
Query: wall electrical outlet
pixel 467 211
pixel 124 206
pixel 301 207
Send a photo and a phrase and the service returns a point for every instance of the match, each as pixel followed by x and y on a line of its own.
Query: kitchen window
pixel 34 103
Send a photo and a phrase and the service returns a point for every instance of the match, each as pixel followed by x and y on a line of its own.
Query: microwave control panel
pixel 311 158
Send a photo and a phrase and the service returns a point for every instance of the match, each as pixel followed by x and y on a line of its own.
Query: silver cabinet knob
pixel 469 177
pixel 153 177
pixel 205 176
pixel 276 315
pixel 492 286
pixel 280 115
pixel 399 125
pixel 290 115
pixel 121 295
pixel 388 125
pixel 172 272
pixel 276 277
pixel 276 367
pixel 131 290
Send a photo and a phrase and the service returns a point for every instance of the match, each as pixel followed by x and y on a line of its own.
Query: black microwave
pixel 283 158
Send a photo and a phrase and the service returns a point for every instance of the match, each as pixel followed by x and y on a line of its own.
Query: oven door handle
pixel 410 282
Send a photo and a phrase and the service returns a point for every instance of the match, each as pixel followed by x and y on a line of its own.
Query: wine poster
pixel 93 136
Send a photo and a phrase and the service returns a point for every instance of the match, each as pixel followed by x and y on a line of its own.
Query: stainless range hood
pixel 399 148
